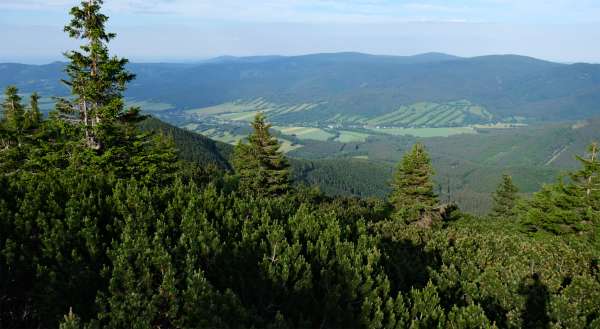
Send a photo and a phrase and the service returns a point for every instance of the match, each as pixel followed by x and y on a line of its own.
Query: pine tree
pixel 261 167
pixel 505 199
pixel 412 187
pixel 33 116
pixel 587 179
pixel 97 80
pixel 13 109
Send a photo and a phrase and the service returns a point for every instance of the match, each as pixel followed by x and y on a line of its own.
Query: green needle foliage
pixel 14 113
pixel 505 199
pixel 33 116
pixel 587 179
pixel 412 187
pixel 569 207
pixel 97 81
pixel 262 169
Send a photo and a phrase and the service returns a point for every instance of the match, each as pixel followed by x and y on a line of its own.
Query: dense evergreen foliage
pixel 260 165
pixel 97 81
pixel 412 187
pixel 126 235
pixel 192 147
pixel 571 207
pixel 505 199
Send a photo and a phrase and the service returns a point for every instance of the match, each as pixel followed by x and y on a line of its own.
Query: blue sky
pixel 179 30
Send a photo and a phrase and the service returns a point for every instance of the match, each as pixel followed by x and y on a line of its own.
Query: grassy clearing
pixel 305 133
pixel 230 138
pixel 287 146
pixel 150 106
pixel 426 114
pixel 244 116
pixel 426 132
pixel 351 136
pixel 222 136
pixel 229 107
pixel 500 125
pixel 240 110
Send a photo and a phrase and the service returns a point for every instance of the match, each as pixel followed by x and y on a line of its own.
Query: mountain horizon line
pixel 429 56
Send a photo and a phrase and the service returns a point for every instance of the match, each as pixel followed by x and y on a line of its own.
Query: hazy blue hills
pixel 349 84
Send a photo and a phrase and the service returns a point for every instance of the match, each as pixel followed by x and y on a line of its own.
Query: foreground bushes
pixel 125 254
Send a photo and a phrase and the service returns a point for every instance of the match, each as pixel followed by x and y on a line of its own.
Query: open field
pixel 305 132
pixel 287 146
pixel 222 136
pixel 241 116
pixel 422 114
pixel 231 107
pixel 426 114
pixel 351 136
pixel 245 110
pixel 426 132
pixel 232 138
pixel 150 106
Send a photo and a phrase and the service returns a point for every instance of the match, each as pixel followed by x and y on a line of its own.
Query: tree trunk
pixel 593 158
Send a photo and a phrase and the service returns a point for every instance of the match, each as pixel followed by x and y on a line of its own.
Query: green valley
pixel 424 114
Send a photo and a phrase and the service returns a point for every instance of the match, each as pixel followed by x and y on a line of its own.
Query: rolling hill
pixel 353 87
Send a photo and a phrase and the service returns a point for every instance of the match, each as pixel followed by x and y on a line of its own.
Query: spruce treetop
pixel 412 186
pixel 261 166
pixel 97 80
pixel 587 179
pixel 13 109
pixel 505 198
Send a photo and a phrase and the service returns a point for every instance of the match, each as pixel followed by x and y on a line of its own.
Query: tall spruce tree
pixel 13 109
pixel 505 199
pixel 261 167
pixel 33 116
pixel 97 81
pixel 412 186
pixel 587 179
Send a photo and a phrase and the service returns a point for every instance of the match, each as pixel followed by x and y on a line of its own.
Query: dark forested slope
pixel 191 146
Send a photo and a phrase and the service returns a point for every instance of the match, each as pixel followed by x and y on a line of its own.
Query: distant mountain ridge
pixel 355 84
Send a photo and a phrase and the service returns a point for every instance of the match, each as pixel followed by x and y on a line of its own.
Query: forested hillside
pixel 192 147
pixel 352 84
pixel 105 223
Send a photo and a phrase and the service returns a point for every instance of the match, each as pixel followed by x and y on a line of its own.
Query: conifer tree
pixel 96 80
pixel 261 167
pixel 412 186
pixel 505 199
pixel 13 109
pixel 33 116
pixel 587 179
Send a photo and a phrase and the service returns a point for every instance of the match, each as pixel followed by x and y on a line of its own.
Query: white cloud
pixel 261 10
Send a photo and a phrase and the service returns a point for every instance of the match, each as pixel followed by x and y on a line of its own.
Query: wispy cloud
pixel 265 10
pixel 558 11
